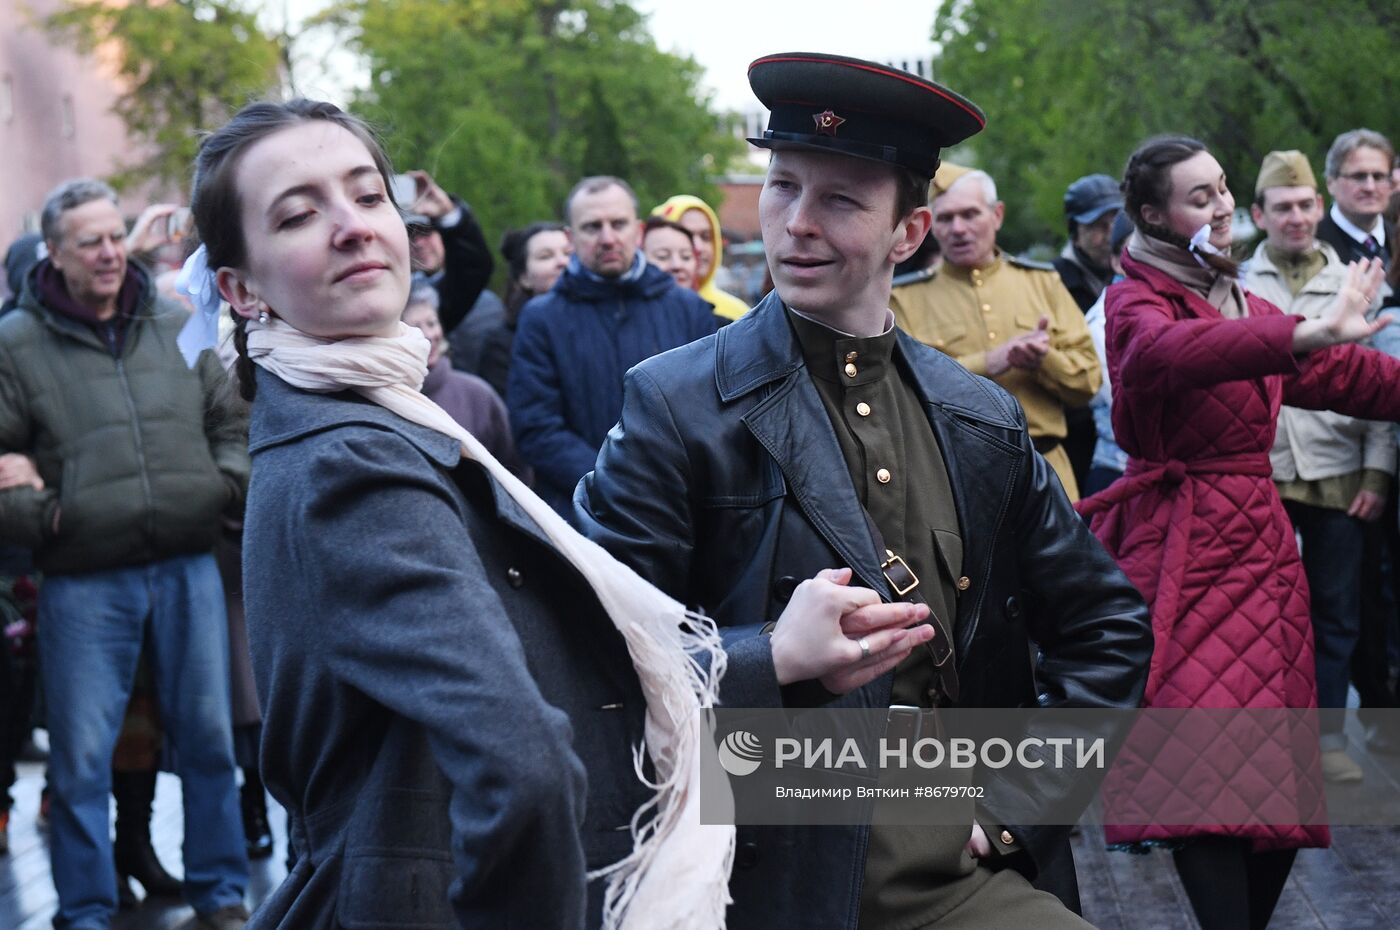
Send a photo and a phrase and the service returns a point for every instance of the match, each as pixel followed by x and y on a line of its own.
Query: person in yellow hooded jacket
pixel 697 216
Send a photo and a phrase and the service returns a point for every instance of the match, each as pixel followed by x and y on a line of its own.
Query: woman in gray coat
pixel 439 658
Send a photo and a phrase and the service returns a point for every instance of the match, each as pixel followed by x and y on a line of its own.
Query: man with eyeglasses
pixel 1359 180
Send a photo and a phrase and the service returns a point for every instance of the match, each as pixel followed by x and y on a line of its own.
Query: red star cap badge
pixel 827 122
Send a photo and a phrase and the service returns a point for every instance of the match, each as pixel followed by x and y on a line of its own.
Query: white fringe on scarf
pixel 677 876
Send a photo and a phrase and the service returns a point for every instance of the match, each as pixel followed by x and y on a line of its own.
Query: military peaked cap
pixel 859 108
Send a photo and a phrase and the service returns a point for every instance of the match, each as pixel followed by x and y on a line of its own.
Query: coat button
pixel 964 583
pixel 863 409
pixel 1013 607
pixel 850 370
pixel 784 587
pixel 746 856
pixel 1006 837
pixel 513 576
pixel 883 476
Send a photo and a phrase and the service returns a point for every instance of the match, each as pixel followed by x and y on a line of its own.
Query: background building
pixel 56 119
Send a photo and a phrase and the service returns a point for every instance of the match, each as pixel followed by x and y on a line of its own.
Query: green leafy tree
pixel 1071 86
pixel 509 102
pixel 187 65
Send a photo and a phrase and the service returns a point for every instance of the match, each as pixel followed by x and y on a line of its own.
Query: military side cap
pixel 864 109
pixel 1285 169
pixel 945 177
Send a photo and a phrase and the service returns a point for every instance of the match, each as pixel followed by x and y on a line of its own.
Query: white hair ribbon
pixel 196 282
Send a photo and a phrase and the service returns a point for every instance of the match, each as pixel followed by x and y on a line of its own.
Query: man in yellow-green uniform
pixel 1004 318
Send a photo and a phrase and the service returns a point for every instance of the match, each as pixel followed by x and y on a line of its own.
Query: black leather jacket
pixel 724 485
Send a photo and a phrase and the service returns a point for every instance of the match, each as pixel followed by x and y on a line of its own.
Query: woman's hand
pixel 1345 319
pixel 819 635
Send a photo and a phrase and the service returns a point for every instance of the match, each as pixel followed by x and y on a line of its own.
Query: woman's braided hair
pixel 1147 182
pixel 214 197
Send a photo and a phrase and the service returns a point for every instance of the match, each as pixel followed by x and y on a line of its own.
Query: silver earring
pixel 263 317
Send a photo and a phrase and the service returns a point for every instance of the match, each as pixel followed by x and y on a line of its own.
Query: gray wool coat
pixel 448 713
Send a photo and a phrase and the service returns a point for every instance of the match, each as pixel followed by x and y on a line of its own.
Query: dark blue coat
pixel 572 347
pixel 420 652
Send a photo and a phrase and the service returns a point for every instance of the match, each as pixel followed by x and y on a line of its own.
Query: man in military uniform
pixel 813 434
pixel 1333 471
pixel 1008 319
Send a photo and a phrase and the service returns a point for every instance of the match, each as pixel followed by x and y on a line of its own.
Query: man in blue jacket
pixel 608 311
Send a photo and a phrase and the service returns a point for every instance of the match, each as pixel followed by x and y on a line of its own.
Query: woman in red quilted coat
pixel 1199 370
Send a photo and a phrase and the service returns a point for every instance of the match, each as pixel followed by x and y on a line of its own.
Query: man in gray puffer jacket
pixel 134 458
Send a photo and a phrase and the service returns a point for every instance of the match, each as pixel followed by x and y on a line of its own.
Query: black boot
pixel 134 855
pixel 253 800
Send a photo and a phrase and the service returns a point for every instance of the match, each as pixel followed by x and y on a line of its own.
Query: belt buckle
pixel 899 565
pixel 903 721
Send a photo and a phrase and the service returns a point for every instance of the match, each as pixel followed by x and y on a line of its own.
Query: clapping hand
pixel 1025 351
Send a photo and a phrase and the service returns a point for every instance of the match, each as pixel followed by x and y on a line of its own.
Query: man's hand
pixel 17 470
pixel 978 847
pixel 433 202
pixel 810 640
pixel 1025 351
pixel 1366 506
pixel 150 231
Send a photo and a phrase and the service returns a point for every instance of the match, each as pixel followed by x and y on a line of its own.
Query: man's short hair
pixel 989 187
pixel 1349 142
pixel 593 185
pixel 910 191
pixel 68 196
pixel 422 292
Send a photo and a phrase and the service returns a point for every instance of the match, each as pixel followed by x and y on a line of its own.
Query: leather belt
pixel 904 586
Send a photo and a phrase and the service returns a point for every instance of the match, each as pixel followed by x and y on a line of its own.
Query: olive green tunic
pixel 917 875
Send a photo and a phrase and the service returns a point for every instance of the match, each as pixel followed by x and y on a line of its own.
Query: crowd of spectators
pixel 123 466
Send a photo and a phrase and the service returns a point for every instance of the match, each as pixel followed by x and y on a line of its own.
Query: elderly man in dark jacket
pixel 813 433
pixel 136 460
pixel 608 311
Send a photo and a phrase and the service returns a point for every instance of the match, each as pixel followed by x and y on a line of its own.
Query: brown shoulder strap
pixel 904 586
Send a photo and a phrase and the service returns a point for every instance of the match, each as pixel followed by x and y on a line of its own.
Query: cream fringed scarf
pixel 676 877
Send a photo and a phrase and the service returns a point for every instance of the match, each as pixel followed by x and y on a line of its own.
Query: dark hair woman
pixel 535 257
pixel 1199 368
pixel 424 629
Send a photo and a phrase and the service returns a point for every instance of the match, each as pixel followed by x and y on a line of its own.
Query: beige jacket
pixel 1313 444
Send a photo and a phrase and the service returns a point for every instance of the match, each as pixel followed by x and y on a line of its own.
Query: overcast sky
pixel 725 35
pixel 722 35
